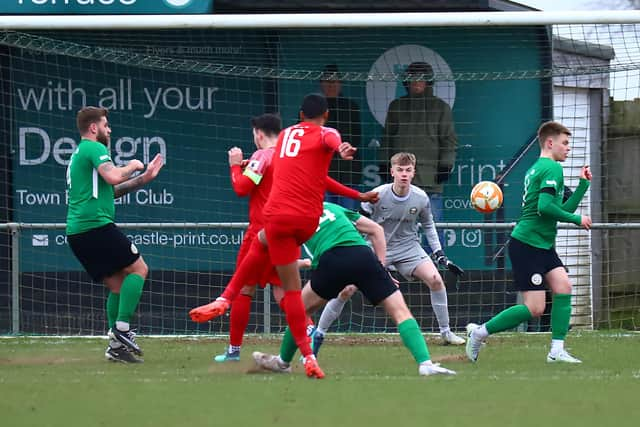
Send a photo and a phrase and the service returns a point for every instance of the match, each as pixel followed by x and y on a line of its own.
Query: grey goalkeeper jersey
pixel 400 216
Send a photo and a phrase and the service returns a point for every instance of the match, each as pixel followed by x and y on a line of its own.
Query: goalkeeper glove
pixel 441 259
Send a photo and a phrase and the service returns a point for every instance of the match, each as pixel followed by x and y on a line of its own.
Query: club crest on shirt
pixel 536 279
pixel 413 210
pixel 253 164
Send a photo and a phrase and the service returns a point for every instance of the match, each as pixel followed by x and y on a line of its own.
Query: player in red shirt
pixel 255 181
pixel 252 178
pixel 291 215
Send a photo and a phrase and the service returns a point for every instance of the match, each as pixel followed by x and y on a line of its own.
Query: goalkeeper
pixel 401 208
pixel 340 256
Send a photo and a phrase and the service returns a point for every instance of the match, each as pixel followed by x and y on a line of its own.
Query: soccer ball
pixel 486 197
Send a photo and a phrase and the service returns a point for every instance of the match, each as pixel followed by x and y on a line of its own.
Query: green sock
pixel 412 339
pixel 113 302
pixel 560 316
pixel 130 293
pixel 508 319
pixel 288 347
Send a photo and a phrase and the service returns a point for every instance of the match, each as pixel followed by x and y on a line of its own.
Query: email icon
pixel 40 240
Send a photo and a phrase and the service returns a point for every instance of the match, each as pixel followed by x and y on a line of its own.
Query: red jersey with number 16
pixel 301 163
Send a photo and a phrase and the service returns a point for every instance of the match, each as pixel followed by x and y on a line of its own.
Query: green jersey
pixel 91 198
pixel 534 228
pixel 334 229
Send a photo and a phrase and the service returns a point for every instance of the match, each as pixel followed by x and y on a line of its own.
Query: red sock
pixel 297 320
pixel 240 312
pixel 246 272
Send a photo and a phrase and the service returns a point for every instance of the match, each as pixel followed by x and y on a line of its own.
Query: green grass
pixel 370 382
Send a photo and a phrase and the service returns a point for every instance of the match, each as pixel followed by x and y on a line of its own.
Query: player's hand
pixel 136 164
pixel 585 173
pixel 441 259
pixel 304 264
pixel 235 156
pixel 347 151
pixel 394 280
pixel 206 312
pixel 153 168
pixel 585 222
pixel 369 196
pixel 454 268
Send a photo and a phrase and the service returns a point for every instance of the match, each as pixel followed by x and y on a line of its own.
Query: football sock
pixel 240 312
pixel 441 308
pixel 556 346
pixel 480 333
pixel 330 314
pixel 560 316
pixel 288 347
pixel 297 320
pixel 508 319
pixel 412 339
pixel 252 263
pixel 130 294
pixel 113 302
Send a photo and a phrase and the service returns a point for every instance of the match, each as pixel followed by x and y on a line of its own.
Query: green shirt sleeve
pixel 548 206
pixel 572 203
pixel 553 178
pixel 97 154
pixel 353 216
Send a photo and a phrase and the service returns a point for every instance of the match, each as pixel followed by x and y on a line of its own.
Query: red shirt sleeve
pixel 335 187
pixel 242 184
pixel 331 138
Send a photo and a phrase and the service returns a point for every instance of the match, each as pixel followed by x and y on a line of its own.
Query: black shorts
pixel 103 251
pixel 346 265
pixel 530 264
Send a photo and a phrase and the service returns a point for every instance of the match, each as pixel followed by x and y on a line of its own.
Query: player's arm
pixel 335 187
pixel 153 168
pixel 571 204
pixel 333 140
pixel 114 175
pixel 242 184
pixel 429 228
pixel 375 232
pixel 548 203
pixel 548 207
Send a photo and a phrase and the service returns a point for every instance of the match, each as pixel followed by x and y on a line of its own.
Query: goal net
pixel 190 93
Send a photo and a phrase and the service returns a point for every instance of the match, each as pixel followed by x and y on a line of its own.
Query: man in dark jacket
pixel 422 123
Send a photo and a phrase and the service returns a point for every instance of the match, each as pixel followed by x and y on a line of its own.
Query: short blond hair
pixel 550 130
pixel 403 159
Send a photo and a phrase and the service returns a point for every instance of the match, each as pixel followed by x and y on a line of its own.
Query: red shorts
pixel 285 234
pixel 269 274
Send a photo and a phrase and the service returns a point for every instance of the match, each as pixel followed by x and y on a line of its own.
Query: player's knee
pixel 347 292
pixel 141 268
pixel 536 310
pixel 435 282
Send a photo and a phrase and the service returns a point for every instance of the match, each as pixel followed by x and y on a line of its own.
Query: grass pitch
pixel 371 381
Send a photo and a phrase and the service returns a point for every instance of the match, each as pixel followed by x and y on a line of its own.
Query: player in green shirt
pixel 534 260
pixel 93 183
pixel 340 257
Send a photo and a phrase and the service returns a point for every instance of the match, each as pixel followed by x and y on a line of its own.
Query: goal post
pixel 186 86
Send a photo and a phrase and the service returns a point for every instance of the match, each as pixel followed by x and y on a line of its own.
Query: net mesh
pixel 189 95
